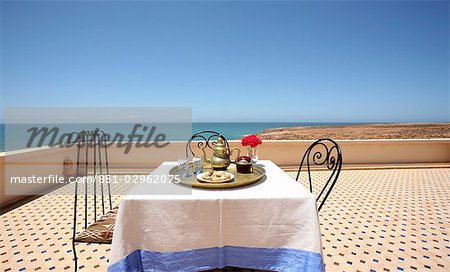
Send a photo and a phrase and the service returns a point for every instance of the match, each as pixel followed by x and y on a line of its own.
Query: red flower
pixel 251 140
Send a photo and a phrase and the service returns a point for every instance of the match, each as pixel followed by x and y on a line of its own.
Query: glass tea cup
pixel 183 167
pixel 198 164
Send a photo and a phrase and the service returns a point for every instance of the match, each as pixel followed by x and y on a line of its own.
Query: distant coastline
pixel 305 131
pixel 361 132
pixel 231 130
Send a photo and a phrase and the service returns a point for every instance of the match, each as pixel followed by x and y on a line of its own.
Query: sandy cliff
pixel 366 131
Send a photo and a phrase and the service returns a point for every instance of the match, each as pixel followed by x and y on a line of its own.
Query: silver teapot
pixel 220 159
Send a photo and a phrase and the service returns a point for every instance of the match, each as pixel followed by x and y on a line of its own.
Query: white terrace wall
pixel 283 153
pixel 288 153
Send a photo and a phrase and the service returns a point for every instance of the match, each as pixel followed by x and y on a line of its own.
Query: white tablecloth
pixel 272 225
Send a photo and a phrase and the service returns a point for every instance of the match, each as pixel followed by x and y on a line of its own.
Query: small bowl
pixel 244 165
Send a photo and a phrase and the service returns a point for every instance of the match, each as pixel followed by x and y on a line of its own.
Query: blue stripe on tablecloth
pixel 274 259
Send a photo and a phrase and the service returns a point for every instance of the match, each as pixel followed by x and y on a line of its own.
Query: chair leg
pixel 75 258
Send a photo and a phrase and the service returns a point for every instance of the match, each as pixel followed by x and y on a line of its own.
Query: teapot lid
pixel 220 141
pixel 220 144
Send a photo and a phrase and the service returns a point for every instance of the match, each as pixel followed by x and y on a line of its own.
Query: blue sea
pixel 231 130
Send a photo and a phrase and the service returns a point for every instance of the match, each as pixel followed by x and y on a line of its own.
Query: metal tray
pixel 239 179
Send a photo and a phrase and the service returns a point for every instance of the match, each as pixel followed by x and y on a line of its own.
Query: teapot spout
pixel 205 159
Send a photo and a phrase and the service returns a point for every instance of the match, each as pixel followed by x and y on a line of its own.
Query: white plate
pixel 201 179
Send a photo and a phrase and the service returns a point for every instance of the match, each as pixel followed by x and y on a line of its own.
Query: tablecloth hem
pixel 272 259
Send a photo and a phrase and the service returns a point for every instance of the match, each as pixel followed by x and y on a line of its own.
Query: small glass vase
pixel 252 152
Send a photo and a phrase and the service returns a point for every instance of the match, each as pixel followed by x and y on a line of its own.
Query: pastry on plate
pixel 208 175
pixel 216 176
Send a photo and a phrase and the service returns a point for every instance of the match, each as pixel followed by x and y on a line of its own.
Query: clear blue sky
pixel 268 61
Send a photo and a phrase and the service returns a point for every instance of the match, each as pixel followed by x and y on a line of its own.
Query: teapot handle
pixel 238 153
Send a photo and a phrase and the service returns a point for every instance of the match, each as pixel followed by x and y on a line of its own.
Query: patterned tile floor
pixel 375 220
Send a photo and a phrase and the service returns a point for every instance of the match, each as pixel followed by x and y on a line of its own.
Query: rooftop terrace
pixel 377 220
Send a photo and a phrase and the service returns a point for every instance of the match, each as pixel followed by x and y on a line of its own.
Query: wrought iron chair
pixel 205 139
pixel 99 226
pixel 326 153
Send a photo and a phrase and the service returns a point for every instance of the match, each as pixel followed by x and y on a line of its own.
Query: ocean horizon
pixel 231 130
